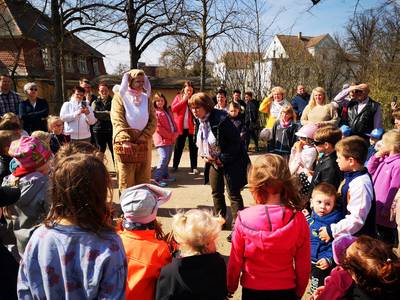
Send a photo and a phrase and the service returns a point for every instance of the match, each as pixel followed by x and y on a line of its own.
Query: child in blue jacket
pixel 324 213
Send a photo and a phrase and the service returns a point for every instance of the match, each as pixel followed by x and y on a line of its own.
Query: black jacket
pixel 251 115
pixel 34 118
pixel 199 277
pixel 283 139
pixel 362 123
pixel 102 113
pixel 233 154
pixel 327 170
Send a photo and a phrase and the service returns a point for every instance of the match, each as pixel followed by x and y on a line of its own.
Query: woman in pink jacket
pixel 163 138
pixel 271 241
pixel 384 166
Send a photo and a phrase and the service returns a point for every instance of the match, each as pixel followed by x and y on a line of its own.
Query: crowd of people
pixel 326 214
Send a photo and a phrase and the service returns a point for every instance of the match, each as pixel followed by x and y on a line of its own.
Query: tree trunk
pixel 203 45
pixel 134 56
pixel 57 55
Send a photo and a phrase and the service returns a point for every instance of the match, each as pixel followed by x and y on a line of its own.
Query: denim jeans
pixel 164 154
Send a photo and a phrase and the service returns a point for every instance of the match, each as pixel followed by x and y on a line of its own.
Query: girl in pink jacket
pixel 164 139
pixel 384 167
pixel 271 241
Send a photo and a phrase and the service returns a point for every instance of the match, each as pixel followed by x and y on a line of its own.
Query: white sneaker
pixel 194 172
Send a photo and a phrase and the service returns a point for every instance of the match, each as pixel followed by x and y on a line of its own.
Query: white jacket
pixel 75 123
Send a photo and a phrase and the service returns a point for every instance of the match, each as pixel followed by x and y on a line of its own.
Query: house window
pixel 46 57
pixel 69 67
pixel 96 66
pixel 82 65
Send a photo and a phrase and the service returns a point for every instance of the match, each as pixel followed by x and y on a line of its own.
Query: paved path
pixel 189 192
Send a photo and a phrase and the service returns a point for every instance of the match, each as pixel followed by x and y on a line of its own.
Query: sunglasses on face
pixel 358 91
pixel 33 89
pixel 318 143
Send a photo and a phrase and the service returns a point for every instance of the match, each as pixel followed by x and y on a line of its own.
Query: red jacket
pixel 146 255
pixel 179 108
pixel 270 249
pixel 164 135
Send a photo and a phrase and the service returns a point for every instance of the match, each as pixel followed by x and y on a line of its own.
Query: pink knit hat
pixel 30 152
pixel 307 131
pixel 340 245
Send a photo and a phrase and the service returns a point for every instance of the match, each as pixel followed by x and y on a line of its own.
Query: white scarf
pixel 206 141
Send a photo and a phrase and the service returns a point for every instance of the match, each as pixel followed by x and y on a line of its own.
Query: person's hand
pixel 208 159
pixel 305 212
pixel 394 106
pixel 322 264
pixel 185 97
pixel 317 293
pixel 127 146
pixel 323 235
pixel 381 153
pixel 85 110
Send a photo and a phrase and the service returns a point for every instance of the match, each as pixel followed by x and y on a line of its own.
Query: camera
pixel 83 104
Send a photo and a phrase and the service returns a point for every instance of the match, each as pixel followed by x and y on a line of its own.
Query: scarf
pixel 206 141
pixel 285 124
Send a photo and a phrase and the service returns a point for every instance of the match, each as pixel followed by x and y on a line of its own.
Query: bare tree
pixel 207 20
pixel 179 54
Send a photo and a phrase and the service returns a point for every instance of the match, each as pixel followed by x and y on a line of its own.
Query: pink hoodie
pixel 271 248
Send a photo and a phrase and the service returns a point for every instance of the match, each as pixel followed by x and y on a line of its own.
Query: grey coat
pixel 31 208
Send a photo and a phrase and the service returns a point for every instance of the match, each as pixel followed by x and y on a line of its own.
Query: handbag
pixel 136 153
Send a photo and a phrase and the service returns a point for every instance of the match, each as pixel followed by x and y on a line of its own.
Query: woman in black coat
pixel 34 110
pixel 219 145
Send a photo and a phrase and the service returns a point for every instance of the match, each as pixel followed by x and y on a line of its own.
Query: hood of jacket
pixel 268 226
pixel 33 186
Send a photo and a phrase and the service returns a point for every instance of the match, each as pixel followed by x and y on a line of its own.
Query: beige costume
pixel 130 174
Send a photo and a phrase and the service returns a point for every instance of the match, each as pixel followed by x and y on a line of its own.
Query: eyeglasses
pixel 33 89
pixel 318 143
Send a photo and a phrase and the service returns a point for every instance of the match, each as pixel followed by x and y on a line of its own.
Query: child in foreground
pixel 200 271
pixel 271 242
pixel 75 254
pixel 357 192
pixel 384 167
pixel 324 213
pixel 368 270
pixel 142 236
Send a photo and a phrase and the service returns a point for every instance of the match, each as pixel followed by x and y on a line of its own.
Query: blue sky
pixel 329 16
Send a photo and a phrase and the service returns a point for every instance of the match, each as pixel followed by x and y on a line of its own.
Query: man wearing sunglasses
pixel 364 114
pixel 34 110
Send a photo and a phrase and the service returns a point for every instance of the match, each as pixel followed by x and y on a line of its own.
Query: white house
pixel 245 67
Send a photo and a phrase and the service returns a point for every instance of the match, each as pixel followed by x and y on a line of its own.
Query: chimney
pixel 299 36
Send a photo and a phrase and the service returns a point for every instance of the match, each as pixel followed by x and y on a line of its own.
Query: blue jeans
pixel 164 154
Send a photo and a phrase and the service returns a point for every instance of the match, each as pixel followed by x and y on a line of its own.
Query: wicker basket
pixel 139 151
